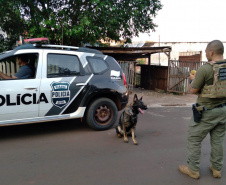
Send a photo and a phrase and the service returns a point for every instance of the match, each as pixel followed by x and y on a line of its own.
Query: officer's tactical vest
pixel 218 89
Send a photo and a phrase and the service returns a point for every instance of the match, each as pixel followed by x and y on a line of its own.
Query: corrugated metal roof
pixel 132 53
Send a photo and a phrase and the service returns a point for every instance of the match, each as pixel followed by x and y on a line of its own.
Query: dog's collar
pixel 130 109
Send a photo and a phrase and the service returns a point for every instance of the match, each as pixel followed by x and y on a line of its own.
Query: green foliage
pixel 141 61
pixel 75 22
pixel 11 23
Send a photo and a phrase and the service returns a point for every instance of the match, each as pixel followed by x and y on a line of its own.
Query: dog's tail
pixel 118 128
pixel 119 131
pixel 120 119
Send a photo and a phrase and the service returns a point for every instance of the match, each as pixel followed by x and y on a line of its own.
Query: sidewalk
pixel 157 99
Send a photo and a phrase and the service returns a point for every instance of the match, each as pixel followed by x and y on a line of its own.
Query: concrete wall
pixel 179 47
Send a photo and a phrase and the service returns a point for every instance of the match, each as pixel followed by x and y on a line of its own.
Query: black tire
pixel 101 114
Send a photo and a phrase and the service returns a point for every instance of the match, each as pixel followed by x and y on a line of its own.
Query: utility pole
pixel 159 52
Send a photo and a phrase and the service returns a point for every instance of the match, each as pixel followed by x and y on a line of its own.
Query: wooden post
pixel 149 60
pixel 135 74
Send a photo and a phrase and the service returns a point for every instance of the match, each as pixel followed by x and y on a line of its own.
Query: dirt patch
pixel 151 97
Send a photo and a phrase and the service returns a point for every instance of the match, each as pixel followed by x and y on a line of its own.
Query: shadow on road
pixel 18 131
pixel 45 128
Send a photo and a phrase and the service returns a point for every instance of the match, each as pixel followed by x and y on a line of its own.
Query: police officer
pixel 25 71
pixel 213 120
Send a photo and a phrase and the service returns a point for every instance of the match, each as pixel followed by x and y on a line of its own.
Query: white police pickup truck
pixel 68 82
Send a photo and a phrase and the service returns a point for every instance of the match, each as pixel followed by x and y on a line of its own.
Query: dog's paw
pixel 126 140
pixel 135 141
pixel 119 135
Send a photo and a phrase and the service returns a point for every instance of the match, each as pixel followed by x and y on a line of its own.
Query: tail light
pixel 124 78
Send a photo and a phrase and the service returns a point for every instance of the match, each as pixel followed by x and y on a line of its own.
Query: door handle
pixel 81 84
pixel 31 88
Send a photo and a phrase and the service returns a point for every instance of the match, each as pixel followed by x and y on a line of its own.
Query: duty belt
pixel 221 105
pixel 218 106
pixel 203 108
pixel 198 110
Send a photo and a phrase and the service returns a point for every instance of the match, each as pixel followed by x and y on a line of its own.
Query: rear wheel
pixel 101 114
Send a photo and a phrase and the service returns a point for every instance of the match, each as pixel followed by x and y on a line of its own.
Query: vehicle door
pixel 19 98
pixel 63 80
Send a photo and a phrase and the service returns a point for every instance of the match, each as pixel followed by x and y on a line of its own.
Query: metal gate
pixel 128 70
pixel 178 75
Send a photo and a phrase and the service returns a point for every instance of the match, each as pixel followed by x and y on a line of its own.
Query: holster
pixel 197 112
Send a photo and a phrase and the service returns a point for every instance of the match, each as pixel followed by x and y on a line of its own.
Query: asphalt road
pixel 68 152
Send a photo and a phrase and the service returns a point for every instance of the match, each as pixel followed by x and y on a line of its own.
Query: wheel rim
pixel 103 115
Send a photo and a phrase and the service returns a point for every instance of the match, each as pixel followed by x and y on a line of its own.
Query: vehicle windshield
pixel 5 52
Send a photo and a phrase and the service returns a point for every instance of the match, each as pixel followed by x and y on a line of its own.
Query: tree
pixel 74 22
pixel 11 23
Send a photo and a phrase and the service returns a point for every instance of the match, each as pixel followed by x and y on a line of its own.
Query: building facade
pixel 177 49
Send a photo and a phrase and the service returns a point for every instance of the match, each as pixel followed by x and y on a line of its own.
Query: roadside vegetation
pixel 75 22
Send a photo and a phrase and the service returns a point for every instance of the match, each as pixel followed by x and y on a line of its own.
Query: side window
pixel 21 66
pixel 97 64
pixel 62 65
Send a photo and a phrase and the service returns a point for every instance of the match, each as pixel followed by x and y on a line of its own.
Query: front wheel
pixel 102 114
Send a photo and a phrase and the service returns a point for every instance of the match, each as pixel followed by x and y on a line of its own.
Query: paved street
pixel 66 153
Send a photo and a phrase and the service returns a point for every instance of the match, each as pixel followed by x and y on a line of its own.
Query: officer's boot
pixel 186 170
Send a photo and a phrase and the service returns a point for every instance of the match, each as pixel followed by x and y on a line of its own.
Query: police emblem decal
pixel 60 94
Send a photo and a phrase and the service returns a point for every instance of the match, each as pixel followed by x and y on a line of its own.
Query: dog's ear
pixel 135 97
pixel 141 98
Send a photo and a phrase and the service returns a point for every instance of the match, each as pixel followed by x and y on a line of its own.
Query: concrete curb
pixel 157 99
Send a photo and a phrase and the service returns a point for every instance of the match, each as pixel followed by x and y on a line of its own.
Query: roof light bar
pixel 55 46
pixel 23 41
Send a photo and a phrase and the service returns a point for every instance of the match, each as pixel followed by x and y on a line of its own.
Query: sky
pixel 189 21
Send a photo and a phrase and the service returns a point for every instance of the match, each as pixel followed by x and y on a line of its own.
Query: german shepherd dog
pixel 128 119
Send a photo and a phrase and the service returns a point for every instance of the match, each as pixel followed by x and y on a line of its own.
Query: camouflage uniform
pixel 213 122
